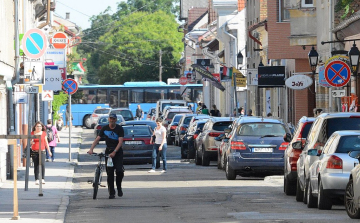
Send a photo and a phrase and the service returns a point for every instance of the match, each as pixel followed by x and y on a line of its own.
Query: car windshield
pixel 105 120
pixel 102 111
pixel 177 118
pixel 221 126
pixel 172 114
pixel 136 131
pixel 126 114
pixel 305 130
pixel 187 120
pixel 171 104
pixel 348 143
pixel 262 129
pixel 201 125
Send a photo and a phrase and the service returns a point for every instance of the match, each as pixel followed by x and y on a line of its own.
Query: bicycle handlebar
pixel 100 154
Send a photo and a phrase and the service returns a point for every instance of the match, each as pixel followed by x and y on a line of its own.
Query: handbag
pixel 153 138
pixel 109 162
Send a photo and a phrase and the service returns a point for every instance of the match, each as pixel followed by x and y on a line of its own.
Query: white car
pixel 352 191
pixel 330 173
pixel 97 113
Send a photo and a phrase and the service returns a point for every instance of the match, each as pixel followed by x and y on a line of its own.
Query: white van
pixel 161 104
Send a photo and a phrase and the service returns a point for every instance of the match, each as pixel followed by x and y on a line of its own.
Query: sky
pixel 82 10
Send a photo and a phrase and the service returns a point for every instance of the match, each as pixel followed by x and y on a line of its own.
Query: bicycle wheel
pixel 96 182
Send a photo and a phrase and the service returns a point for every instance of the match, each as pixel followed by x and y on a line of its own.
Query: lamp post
pixel 354 55
pixel 240 59
pixel 313 59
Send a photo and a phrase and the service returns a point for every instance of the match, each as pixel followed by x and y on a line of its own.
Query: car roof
pixel 252 119
pixel 220 119
pixel 347 132
pixel 339 114
pixel 120 109
pixel 307 119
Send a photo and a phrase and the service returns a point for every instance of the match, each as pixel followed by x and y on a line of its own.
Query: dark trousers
pixel 118 168
pixel 52 150
pixel 35 158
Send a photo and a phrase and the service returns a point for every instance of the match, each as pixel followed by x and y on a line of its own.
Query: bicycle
pixel 98 172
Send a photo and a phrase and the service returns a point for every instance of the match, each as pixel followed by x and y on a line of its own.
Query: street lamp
pixel 354 54
pixel 240 58
pixel 313 59
pixel 261 64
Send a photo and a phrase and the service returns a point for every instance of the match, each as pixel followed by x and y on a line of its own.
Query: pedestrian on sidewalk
pixel 205 110
pixel 114 136
pixel 39 129
pixel 50 129
pixel 68 116
pixel 160 145
pixel 215 112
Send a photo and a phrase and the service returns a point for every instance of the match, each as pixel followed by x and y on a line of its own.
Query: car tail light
pixel 334 162
pixel 283 146
pixel 94 115
pixel 182 128
pixel 293 158
pixel 196 135
pixel 354 116
pixel 238 145
pixel 214 134
pixel 99 127
pixel 173 127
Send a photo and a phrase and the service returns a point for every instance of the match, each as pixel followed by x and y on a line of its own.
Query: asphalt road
pixel 186 194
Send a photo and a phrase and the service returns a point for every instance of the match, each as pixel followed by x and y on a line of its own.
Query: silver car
pixel 330 173
pixel 352 191
pixel 98 113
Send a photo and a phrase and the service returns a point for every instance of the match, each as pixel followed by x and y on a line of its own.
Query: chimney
pixel 68 15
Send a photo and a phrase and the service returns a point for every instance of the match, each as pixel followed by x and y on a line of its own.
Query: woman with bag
pixel 39 129
pixel 160 145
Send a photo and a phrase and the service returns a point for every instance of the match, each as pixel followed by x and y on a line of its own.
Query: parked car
pixel 142 122
pixel 330 174
pixel 150 113
pixel 182 127
pixel 98 113
pixel 125 112
pixel 188 142
pixel 224 144
pixel 104 120
pixel 324 125
pixel 256 147
pixel 352 190
pixel 136 145
pixel 206 150
pixel 291 155
pixel 170 131
pixel 172 111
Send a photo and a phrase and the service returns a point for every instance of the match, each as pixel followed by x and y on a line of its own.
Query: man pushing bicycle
pixel 113 135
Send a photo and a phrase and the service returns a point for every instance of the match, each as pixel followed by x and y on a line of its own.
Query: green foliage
pixel 344 4
pixel 57 102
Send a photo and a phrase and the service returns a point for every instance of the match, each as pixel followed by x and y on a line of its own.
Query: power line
pixel 72 8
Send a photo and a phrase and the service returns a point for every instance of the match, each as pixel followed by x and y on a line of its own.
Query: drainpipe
pixel 47 17
pixel 235 65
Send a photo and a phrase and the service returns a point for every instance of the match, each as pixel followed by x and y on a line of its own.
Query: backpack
pixel 49 134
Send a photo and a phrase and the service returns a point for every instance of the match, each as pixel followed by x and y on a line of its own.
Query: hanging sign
pixel 298 82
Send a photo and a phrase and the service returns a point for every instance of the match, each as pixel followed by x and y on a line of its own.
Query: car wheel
pixel 197 158
pixel 223 161
pixel 299 192
pixel 311 200
pixel 87 122
pixel 324 203
pixel 183 152
pixel 230 174
pixel 205 159
pixel 219 160
pixel 350 206
pixel 305 192
pixel 289 188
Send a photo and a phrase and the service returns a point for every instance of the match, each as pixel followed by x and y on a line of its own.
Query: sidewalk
pixel 51 207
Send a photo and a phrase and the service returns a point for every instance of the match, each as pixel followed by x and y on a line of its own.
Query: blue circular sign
pixel 70 86
pixel 34 43
pixel 337 73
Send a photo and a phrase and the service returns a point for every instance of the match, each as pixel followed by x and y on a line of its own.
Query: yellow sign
pixel 240 82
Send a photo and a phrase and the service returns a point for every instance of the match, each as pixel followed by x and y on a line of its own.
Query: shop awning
pixel 206 74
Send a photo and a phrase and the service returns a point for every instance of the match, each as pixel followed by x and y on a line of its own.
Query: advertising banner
pixel 271 76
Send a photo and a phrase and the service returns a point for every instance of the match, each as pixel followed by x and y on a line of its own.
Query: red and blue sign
pixel 337 73
pixel 34 43
pixel 70 86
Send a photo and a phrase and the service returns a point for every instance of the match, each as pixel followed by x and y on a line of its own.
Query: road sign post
pixel 337 73
pixel 59 40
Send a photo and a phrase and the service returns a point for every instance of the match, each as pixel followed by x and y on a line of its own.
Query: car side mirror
pixel 287 137
pixel 313 152
pixel 297 145
pixel 227 130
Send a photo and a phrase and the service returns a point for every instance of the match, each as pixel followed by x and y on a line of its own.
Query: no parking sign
pixel 337 73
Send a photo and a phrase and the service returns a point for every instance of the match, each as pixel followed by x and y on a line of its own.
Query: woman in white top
pixel 159 145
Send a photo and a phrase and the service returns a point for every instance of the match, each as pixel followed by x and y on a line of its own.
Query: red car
pixel 291 155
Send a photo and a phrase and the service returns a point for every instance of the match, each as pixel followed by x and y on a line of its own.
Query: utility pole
pixel 160 67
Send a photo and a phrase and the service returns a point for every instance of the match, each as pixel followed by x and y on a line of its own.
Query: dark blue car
pixel 256 147
pixel 188 142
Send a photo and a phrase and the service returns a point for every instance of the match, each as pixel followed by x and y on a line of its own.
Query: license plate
pixel 262 150
pixel 133 142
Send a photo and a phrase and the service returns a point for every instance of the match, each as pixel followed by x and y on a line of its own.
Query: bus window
pixel 124 102
pixel 114 99
pixel 89 96
pixel 153 95
pixel 174 94
pixel 136 96
pixel 101 97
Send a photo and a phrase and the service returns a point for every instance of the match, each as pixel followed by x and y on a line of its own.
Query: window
pixel 284 14
pixel 114 99
pixel 137 96
pixel 174 94
pixel 153 95
pixel 101 97
pixel 307 3
pixel 89 96
pixel 124 98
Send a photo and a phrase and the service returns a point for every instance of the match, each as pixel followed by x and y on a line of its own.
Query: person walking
pixel 160 145
pixel 205 110
pixel 139 113
pixel 215 112
pixel 68 116
pixel 199 107
pixel 52 143
pixel 114 136
pixel 39 129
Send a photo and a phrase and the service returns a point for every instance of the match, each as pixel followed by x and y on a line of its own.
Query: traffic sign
pixel 34 43
pixel 337 73
pixel 183 80
pixel 32 89
pixel 59 40
pixel 70 86
pixel 47 95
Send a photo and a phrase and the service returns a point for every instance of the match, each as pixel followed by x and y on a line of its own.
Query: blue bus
pixel 128 95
